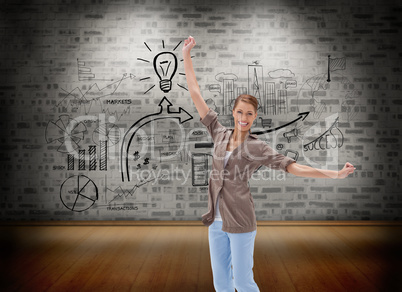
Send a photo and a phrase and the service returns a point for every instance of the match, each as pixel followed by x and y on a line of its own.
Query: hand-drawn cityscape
pixel 86 132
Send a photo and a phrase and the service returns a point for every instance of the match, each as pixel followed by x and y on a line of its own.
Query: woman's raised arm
pixel 192 83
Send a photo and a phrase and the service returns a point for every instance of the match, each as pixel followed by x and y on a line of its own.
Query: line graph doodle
pixel 80 98
pixel 164 113
pixel 120 192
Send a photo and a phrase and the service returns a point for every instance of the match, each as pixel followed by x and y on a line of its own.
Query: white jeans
pixel 229 250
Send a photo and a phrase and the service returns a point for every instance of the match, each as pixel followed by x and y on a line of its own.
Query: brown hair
pixel 248 99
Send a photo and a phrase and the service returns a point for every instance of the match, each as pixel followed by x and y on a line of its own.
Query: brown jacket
pixel 236 204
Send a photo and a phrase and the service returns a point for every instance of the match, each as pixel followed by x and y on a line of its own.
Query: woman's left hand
pixel 346 170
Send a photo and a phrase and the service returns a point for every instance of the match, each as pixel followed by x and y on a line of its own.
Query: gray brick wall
pixel 76 75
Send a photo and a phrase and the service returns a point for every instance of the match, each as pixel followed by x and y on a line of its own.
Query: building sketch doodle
pixel 66 132
pixel 227 80
pixel 255 84
pixel 78 193
pixel 164 113
pixel 331 138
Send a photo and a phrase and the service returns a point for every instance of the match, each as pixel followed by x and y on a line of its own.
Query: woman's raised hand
pixel 189 43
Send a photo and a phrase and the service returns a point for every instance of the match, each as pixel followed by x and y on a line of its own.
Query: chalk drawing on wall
pixel 228 91
pixel 91 157
pixel 335 64
pixel 164 113
pixel 279 146
pixel 276 97
pixel 66 132
pixel 78 193
pixel 119 194
pixel 331 138
pixel 302 117
pixel 211 104
pixel 199 169
pixel 291 134
pixel 265 122
pixel 281 73
pixel 317 88
pixel 292 154
pixel 106 132
pixel 83 98
pixel 165 65
pixel 85 72
pixel 255 84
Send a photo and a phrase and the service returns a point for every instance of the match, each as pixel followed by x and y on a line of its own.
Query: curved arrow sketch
pixel 182 115
pixel 302 116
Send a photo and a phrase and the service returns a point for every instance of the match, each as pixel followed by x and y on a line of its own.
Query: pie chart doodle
pixel 107 132
pixel 65 131
pixel 78 193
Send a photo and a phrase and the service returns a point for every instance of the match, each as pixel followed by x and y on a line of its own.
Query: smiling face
pixel 244 115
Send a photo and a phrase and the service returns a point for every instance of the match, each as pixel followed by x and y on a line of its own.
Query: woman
pixel 231 217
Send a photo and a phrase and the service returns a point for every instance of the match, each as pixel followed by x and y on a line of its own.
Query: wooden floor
pixel 176 258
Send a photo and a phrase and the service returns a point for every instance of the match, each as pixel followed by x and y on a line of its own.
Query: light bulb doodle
pixel 165 65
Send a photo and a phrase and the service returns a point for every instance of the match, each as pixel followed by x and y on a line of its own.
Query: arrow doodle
pixel 302 116
pixel 164 113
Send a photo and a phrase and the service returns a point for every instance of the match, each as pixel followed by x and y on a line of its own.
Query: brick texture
pixel 80 74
